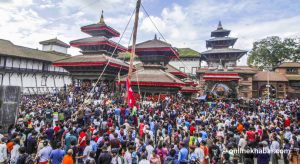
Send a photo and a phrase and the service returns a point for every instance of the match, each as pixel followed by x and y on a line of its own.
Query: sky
pixel 183 23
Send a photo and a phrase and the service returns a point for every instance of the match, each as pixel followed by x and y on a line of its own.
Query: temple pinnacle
pixel 220 26
pixel 102 19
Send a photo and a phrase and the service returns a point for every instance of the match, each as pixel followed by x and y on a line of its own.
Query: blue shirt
pixel 57 156
pixel 68 140
pixel 204 135
pixel 183 154
pixel 152 126
pixel 127 112
pixel 94 145
pixel 170 129
pixel 187 124
pixel 117 112
pixel 44 154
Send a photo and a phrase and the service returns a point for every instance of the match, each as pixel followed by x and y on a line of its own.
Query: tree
pixel 272 51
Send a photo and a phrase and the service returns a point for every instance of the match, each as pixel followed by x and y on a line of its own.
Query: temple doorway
pixel 224 89
pixel 221 90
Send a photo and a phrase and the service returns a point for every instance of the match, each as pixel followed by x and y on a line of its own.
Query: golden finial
pixel 220 26
pixel 102 19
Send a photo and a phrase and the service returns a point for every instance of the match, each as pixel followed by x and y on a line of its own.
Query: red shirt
pixel 287 122
pixel 109 124
pixel 92 129
pixel 56 129
pixel 250 135
pixel 96 138
pixel 259 131
pixel 82 139
pixel 192 129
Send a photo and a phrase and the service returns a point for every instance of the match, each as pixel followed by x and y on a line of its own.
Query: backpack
pixel 29 160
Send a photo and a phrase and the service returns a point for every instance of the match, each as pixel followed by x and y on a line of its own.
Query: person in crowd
pixel 24 158
pixel 15 151
pixel 105 157
pixel 43 156
pixel 96 122
pixel 155 158
pixel 68 158
pixel 3 151
pixel 57 155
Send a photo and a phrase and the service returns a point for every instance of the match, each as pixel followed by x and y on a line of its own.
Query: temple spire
pixel 102 19
pixel 220 26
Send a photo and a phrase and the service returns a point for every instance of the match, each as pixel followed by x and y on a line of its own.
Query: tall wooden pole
pixel 136 22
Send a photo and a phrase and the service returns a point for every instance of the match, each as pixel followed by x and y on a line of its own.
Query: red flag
pixel 130 98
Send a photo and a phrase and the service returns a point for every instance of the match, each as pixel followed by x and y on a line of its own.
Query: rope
pixel 138 83
pixel 113 51
pixel 137 77
pixel 127 46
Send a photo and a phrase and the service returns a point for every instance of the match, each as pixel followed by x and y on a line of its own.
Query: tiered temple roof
pixel 220 48
pixel 168 68
pixel 96 51
pixel 174 71
pixel 155 55
pixel 91 60
pixel 100 29
pixel 220 32
pixel 99 42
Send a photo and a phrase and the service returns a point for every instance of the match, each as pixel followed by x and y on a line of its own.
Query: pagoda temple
pixel 222 77
pixel 152 78
pixel 97 52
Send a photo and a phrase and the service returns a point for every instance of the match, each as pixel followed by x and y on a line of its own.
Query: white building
pixel 55 45
pixel 31 68
pixel 189 61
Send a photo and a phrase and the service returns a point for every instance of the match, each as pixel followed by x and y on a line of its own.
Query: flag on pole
pixel 130 98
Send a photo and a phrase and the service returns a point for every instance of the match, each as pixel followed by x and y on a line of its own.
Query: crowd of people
pixel 92 125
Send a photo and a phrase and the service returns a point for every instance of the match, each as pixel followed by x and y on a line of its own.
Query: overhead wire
pixel 162 35
pixel 118 43
pixel 124 61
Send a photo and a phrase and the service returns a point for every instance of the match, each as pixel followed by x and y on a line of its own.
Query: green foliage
pixel 272 51
pixel 187 52
pixel 183 52
pixel 125 56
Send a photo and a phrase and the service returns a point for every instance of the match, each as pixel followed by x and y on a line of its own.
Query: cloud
pixel 94 7
pixel 249 33
pixel 174 25
pixel 188 24
pixel 12 4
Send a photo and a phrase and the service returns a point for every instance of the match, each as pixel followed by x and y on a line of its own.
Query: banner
pixel 55 117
